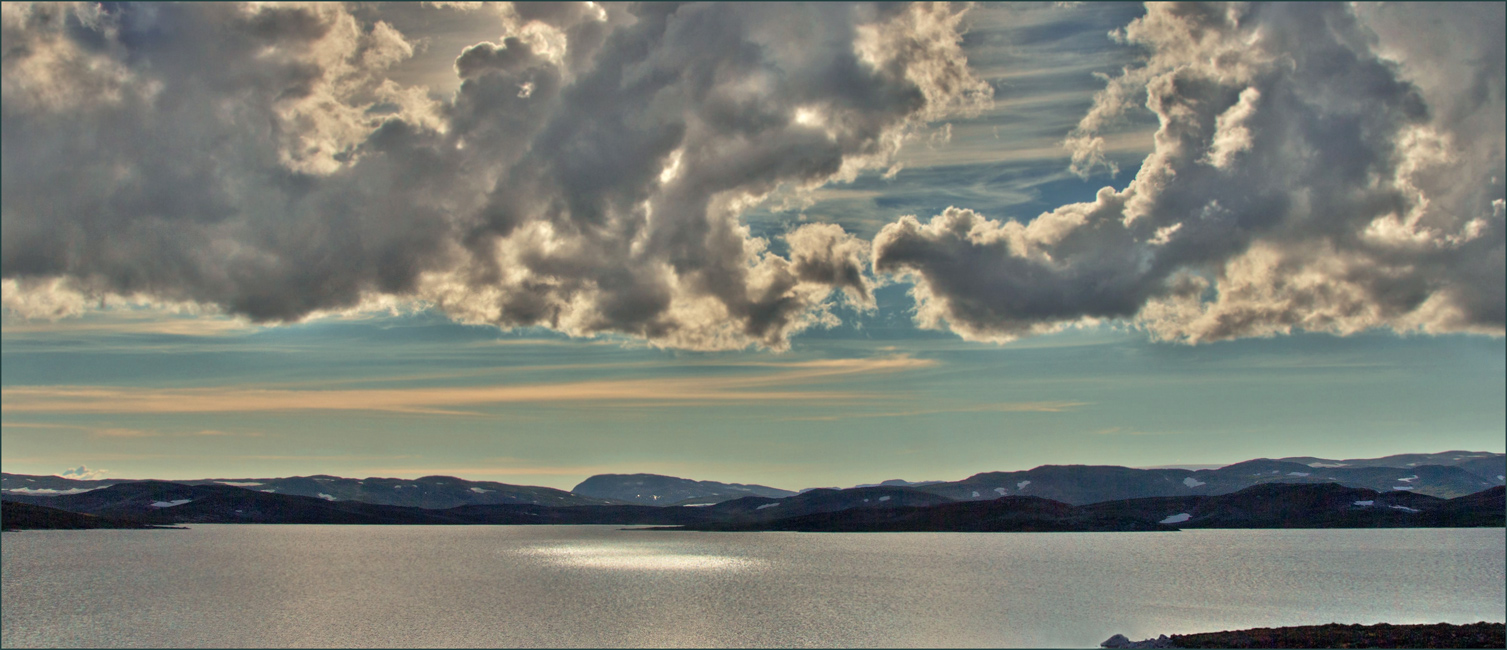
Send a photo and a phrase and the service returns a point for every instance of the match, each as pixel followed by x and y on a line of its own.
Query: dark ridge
pixel 1272 505
pixel 432 492
pixel 24 516
pixel 1445 477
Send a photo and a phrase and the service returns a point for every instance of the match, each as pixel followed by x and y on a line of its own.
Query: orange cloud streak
pixel 90 399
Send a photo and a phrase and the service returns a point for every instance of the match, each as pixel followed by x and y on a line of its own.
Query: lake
pixel 487 586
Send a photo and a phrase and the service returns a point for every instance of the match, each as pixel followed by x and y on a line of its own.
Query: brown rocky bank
pixel 1334 635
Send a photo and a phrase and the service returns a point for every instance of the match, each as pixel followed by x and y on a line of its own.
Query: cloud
pixel 587 175
pixel 1319 167
pixel 1300 179
pixel 124 433
pixel 785 385
pixel 137 322
pixel 82 473
pixel 1006 407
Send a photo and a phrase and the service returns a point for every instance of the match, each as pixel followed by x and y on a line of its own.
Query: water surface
pixel 599 586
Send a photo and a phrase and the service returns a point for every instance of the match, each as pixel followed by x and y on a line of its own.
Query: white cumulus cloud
pixel 1301 179
pixel 82 473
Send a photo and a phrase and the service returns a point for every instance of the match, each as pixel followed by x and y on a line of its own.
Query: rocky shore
pixel 1333 635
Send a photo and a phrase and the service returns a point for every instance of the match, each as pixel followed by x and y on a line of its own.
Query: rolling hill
pixel 427 492
pixel 1260 506
pixel 659 490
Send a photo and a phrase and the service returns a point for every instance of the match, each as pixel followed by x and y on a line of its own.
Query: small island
pixel 1333 635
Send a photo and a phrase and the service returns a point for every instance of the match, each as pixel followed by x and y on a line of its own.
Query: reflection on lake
pixel 639 556
pixel 483 586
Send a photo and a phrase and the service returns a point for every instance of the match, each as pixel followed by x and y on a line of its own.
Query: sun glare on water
pixel 637 558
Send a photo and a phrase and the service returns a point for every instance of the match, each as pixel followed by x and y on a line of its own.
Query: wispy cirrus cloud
pixel 122 432
pixel 979 147
pixel 783 386
pixel 1006 407
pixel 174 327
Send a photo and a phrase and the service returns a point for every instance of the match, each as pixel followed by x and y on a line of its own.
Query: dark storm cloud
pixel 206 175
pixel 588 174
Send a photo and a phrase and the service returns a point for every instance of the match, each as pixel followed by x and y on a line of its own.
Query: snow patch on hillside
pixel 49 492
pixel 1177 518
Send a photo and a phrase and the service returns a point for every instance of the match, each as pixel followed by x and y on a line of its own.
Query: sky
pixel 797 245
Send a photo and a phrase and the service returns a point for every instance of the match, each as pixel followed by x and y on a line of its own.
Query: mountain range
pixel 1083 484
pixel 1270 505
pixel 427 492
pixel 161 502
pixel 1273 505
pixel 1446 475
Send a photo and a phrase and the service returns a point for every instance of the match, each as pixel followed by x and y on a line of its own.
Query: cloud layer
pixel 587 176
pixel 1318 166
pixel 1300 180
